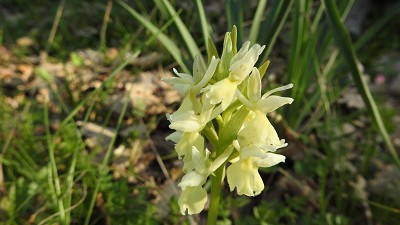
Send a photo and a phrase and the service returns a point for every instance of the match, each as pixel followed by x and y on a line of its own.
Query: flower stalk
pixel 215 196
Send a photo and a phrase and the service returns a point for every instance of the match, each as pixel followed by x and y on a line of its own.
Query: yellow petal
pixel 187 141
pixel 243 175
pixel 258 131
pixel 223 91
pixel 191 179
pixel 192 200
pixel 273 102
pixel 254 86
pixel 244 61
pixel 174 137
pixel 271 160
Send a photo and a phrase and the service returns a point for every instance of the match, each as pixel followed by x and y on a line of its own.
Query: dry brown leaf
pixel 25 42
pixel 352 99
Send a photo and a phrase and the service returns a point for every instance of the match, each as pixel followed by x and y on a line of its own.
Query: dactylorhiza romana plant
pixel 223 103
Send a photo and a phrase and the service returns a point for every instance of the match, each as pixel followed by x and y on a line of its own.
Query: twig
pixel 106 20
pixel 157 155
pixel 56 22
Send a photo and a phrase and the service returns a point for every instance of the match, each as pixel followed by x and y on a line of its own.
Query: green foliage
pixel 343 40
pixel 118 204
pixel 51 178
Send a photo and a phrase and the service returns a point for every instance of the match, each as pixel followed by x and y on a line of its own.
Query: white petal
pixel 183 76
pixel 243 175
pixel 252 151
pixel 186 106
pixel 255 131
pixel 185 125
pixel 254 86
pixel 184 121
pixel 271 160
pixel 273 148
pixel 242 52
pixel 188 140
pixel 198 160
pixel 174 137
pixel 191 179
pixel 223 91
pixel 273 102
pixel 209 73
pixel 242 65
pixel 271 137
pixel 192 200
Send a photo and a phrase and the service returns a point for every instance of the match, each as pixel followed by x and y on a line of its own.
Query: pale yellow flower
pixel 255 143
pixel 223 91
pixel 192 200
pixel 240 67
pixel 186 82
pixel 243 62
pixel 244 176
pixel 257 140
pixel 266 103
pixel 194 196
pixel 206 95
pixel 189 121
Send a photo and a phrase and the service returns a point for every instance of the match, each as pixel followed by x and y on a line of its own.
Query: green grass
pixel 50 174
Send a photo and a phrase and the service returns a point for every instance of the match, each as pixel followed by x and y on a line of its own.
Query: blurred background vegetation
pixel 82 109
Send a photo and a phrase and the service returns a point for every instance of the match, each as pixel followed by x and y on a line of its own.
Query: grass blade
pixel 377 26
pixel 342 38
pixel 273 25
pixel 95 92
pixel 55 184
pixel 161 7
pixel 205 28
pixel 256 23
pixel 211 49
pixel 183 31
pixel 165 40
pixel 106 160
pixel 234 15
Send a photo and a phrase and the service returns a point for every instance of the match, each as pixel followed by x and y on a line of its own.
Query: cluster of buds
pixel 223 103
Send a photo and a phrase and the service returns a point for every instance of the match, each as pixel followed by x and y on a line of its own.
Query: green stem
pixel 216 184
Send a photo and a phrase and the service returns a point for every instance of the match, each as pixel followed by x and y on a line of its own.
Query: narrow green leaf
pixel 161 7
pixel 234 35
pixel 44 74
pixel 211 50
pixel 273 25
pixel 234 15
pixel 229 132
pixel 92 94
pixel 343 40
pixel 367 36
pixel 205 28
pixel 165 40
pixel 103 167
pixel 263 68
pixel 256 23
pixel 183 31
